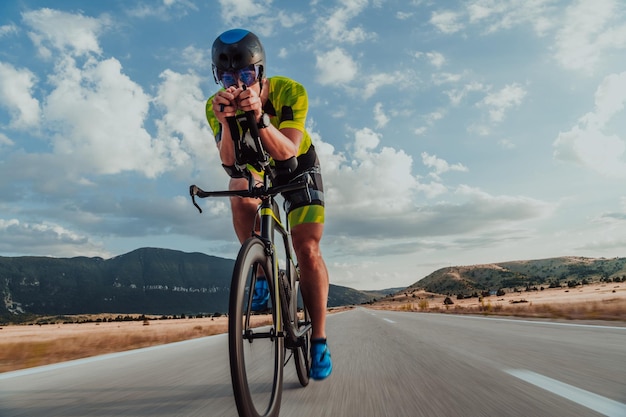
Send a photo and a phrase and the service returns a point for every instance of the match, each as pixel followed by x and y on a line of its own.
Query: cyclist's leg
pixel 314 285
pixel 244 210
pixel 314 281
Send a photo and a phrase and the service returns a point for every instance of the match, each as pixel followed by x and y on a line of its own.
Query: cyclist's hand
pixel 249 100
pixel 225 103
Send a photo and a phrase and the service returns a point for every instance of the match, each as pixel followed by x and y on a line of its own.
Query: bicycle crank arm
pixel 250 335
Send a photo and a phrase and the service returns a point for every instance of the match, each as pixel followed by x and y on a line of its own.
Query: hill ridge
pixel 142 281
pixel 554 271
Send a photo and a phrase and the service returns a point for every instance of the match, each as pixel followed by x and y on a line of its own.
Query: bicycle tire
pixel 257 391
pixel 302 354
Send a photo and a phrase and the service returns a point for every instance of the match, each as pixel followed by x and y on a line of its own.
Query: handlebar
pixel 253 192
pixel 262 159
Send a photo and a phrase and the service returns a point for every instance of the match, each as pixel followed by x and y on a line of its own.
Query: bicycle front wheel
pixel 256 344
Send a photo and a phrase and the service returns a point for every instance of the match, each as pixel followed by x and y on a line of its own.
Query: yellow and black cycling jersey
pixel 287 104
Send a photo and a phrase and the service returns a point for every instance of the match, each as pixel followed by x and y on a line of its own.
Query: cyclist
pixel 280 106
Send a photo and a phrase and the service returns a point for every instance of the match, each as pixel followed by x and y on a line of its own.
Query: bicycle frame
pixel 269 217
pixel 257 254
pixel 269 224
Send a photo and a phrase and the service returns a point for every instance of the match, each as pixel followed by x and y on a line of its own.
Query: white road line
pixel 587 399
pixel 549 323
pixel 390 321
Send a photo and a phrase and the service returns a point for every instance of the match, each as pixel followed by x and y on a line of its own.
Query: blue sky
pixel 450 132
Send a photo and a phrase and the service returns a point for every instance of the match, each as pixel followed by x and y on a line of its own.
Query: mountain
pixel 144 281
pixel 467 280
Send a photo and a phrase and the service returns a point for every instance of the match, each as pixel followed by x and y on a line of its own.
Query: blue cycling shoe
pixel 321 363
pixel 261 296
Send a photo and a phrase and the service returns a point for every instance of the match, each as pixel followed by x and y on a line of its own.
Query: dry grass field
pixel 24 346
pixel 605 301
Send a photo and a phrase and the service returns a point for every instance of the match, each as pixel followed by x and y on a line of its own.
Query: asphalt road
pixel 386 364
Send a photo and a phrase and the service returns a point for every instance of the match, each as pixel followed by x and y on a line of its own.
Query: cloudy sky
pixel 450 132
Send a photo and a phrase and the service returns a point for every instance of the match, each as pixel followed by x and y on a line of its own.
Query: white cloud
pixel 236 11
pixel 15 95
pixel 590 28
pixel 434 116
pixel 336 28
pixel 477 213
pixel 197 57
pixel 399 79
pixel 162 11
pixel 514 208
pixel 591 143
pixel 610 99
pixel 429 120
pixel 6 30
pixel 506 144
pixel 94 114
pixel 72 33
pixel 289 20
pixel 440 166
pixel 440 78
pixel 456 96
pixel 436 59
pixel 378 180
pixel 335 67
pixel 369 178
pixel 499 102
pixel 446 21
pixel 183 134
pixel 46 238
pixel 98 113
pixel 4 140
pixel 495 15
pixel 419 131
pixel 379 115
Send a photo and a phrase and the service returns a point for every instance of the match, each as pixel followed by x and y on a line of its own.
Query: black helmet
pixel 236 49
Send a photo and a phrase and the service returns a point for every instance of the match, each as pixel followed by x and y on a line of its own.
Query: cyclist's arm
pixel 217 121
pixel 281 144
pixel 226 146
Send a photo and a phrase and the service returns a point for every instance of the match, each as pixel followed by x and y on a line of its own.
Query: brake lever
pixel 193 191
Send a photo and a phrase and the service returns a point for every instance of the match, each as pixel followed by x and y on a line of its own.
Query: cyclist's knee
pixel 307 252
pixel 238 184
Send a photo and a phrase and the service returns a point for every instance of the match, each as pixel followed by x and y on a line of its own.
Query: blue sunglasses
pixel 247 75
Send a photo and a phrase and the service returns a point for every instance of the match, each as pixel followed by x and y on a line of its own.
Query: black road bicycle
pixel 258 353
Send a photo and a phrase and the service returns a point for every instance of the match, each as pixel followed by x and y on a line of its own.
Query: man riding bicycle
pixel 280 107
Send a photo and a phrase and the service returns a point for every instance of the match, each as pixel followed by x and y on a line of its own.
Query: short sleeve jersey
pixel 287 106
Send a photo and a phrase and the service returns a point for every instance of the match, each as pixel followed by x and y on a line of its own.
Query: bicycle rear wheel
pixel 256 353
pixel 302 354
